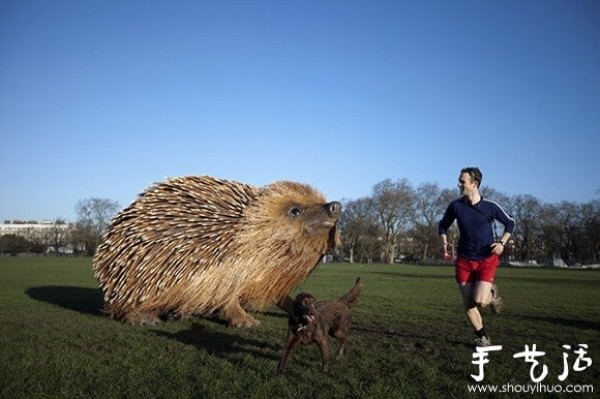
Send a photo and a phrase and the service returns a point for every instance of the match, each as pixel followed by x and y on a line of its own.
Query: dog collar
pixel 301 327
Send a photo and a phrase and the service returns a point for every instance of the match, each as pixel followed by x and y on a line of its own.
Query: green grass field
pixel 410 338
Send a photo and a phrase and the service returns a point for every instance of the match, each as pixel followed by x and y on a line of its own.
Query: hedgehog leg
pixel 237 317
pixel 141 318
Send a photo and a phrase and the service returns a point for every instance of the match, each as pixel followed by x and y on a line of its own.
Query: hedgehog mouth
pixel 328 224
pixel 320 227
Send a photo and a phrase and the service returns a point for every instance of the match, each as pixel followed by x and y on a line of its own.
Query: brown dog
pixel 310 321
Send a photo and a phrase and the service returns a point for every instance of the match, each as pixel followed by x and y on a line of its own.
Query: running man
pixel 477 253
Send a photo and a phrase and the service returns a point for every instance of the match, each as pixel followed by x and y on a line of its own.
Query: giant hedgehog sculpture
pixel 199 245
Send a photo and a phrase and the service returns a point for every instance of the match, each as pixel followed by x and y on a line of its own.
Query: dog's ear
pixel 298 303
pixel 286 304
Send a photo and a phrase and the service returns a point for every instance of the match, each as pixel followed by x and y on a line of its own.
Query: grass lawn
pixel 410 338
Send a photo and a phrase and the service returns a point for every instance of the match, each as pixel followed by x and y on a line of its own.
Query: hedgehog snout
pixel 334 208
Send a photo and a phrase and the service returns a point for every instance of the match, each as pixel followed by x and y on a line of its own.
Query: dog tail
pixel 351 297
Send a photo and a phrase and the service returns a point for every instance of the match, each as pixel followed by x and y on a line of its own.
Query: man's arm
pixel 445 253
pixel 509 226
pixel 443 227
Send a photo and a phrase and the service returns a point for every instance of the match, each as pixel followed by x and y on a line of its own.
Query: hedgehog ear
pixel 335 240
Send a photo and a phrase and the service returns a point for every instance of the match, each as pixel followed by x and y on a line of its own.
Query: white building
pixel 45 232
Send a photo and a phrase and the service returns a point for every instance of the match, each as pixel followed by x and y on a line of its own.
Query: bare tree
pixel 358 224
pixel 392 203
pixel 550 231
pixel 58 235
pixel 571 222
pixel 430 202
pixel 397 217
pixel 370 245
pixel 527 211
pixel 571 231
pixel 590 213
pixel 93 216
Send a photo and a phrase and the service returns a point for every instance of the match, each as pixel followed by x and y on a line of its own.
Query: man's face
pixel 466 185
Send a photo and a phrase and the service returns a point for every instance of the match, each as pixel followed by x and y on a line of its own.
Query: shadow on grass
pixel 79 299
pixel 409 275
pixel 581 324
pixel 428 344
pixel 222 345
pixel 276 314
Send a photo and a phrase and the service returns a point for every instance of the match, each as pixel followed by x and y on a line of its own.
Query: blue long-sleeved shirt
pixel 475 225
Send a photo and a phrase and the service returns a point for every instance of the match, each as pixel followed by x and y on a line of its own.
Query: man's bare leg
pixel 467 291
pixel 482 293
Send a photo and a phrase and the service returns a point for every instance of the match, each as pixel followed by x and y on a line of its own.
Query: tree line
pixel 81 237
pixel 399 223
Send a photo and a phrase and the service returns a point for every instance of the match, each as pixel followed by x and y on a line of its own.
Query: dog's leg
pixel 324 347
pixel 342 349
pixel 342 332
pixel 287 350
pixel 340 335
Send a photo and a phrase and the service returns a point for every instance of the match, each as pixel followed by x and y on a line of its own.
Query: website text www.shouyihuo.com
pixel 530 388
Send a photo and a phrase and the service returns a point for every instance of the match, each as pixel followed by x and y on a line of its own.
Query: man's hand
pixel 445 254
pixel 497 248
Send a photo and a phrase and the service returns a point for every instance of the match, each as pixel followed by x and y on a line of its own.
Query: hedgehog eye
pixel 295 212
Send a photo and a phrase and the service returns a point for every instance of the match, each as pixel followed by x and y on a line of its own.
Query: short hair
pixel 474 173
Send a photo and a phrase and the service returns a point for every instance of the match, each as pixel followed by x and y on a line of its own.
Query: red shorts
pixel 470 270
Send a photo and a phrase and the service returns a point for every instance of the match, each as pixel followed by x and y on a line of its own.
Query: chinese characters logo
pixel 538 370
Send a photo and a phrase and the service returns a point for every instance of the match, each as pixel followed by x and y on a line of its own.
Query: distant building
pixel 45 232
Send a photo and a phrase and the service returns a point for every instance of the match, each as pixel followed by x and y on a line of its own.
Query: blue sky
pixel 102 98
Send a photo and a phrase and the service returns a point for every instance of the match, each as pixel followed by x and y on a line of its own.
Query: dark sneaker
pixel 497 302
pixel 483 341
